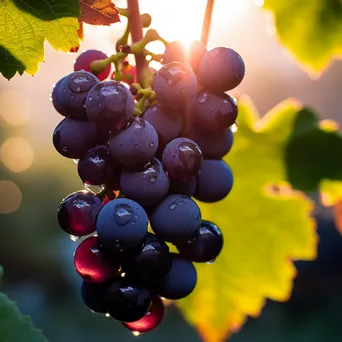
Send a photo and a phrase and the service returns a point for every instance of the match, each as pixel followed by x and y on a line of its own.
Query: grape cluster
pixel 149 169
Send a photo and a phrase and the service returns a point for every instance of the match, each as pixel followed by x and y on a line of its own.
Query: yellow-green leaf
pixel 311 30
pixel 26 24
pixel 266 225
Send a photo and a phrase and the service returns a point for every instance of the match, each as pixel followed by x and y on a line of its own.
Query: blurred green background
pixel 37 255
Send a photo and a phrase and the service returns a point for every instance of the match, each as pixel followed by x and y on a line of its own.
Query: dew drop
pixel 177 202
pixel 152 179
pixel 202 97
pixel 74 237
pixel 107 315
pixel 135 333
pixel 151 144
pixel 123 214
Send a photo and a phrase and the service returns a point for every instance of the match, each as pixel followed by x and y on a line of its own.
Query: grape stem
pixel 207 22
pixel 146 94
pixel 135 27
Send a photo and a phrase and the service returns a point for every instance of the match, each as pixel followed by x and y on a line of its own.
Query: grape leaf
pixel 311 30
pixel 98 12
pixel 266 224
pixel 310 154
pixel 26 24
pixel 15 327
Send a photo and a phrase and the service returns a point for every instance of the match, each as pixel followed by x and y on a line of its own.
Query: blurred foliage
pixel 311 30
pixel 14 326
pixel 264 222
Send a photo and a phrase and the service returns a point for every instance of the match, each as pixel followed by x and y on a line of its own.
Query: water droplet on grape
pixel 202 97
pixel 178 201
pixel 135 333
pixel 74 238
pixel 75 161
pixel 95 189
pixel 107 315
pixel 123 214
pixel 234 128
pixel 152 179
pixel 151 144
pixel 211 261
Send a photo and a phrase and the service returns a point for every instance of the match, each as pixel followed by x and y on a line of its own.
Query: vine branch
pixel 207 21
pixel 135 27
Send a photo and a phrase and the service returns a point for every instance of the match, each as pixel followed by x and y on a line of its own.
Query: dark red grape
pixel 147 186
pixel 214 181
pixel 121 224
pixel 135 145
pixel 221 69
pixel 110 103
pixel 213 112
pixel 151 262
pixel 180 281
pixel 192 55
pixel 73 91
pixel 97 166
pixel 78 212
pixel 84 60
pixel 175 84
pixel 91 265
pixel 207 245
pixel 176 219
pixel 151 320
pixel 182 158
pixel 73 138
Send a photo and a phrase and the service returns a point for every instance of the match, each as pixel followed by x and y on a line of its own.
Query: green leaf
pixel 26 24
pixel 265 225
pixel 311 152
pixel 311 30
pixel 15 327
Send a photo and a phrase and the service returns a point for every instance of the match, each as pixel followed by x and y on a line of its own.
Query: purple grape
pixel 151 320
pixel 214 181
pixel 183 187
pixel 191 55
pixel 168 122
pixel 84 60
pixel 214 145
pixel 135 145
pixel 175 84
pixel 147 186
pixel 182 159
pixel 55 100
pixel 111 104
pixel 73 138
pixel 207 245
pixel 151 262
pixel 127 301
pixel 212 112
pixel 78 212
pixel 95 296
pixel 91 265
pixel 97 166
pixel 73 91
pixel 221 69
pixel 121 225
pixel 176 219
pixel 180 281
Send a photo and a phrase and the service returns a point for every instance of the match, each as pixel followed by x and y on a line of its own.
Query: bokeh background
pixel 37 256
